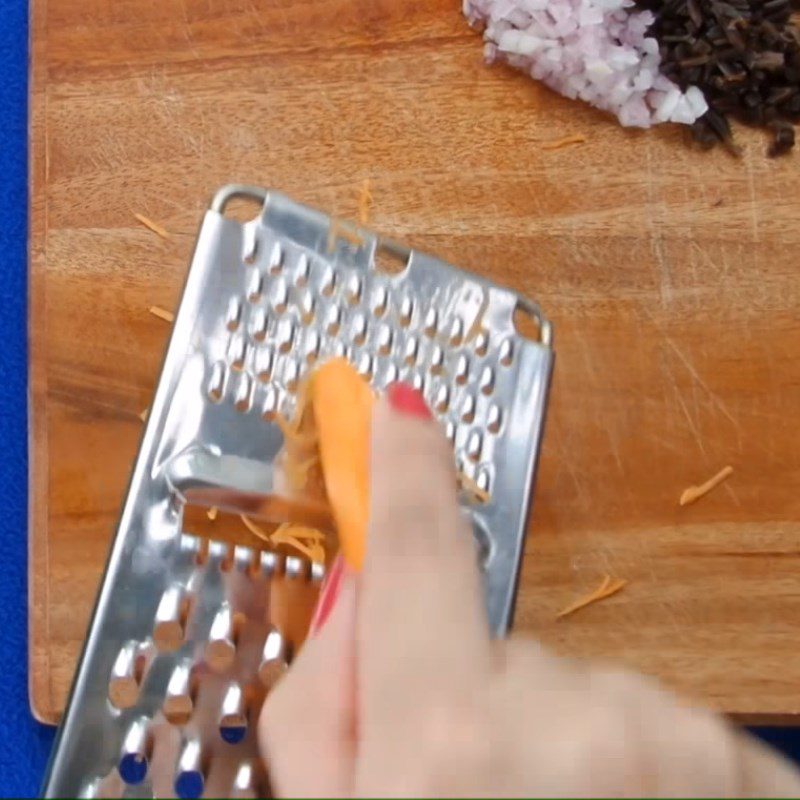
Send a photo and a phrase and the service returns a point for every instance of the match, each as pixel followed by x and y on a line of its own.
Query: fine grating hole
pixel 329 284
pixel 506 355
pixel 527 325
pixel 389 261
pixel 482 343
pixel 406 311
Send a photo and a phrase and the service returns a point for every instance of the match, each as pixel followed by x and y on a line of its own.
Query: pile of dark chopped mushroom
pixel 744 55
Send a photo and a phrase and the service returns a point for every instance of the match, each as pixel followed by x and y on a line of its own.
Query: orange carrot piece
pixel 342 404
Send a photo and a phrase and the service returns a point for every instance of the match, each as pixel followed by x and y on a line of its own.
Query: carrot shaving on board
pixel 694 493
pixel 566 141
pixel 471 487
pixel 143 415
pixel 162 313
pixel 364 202
pixel 153 226
pixel 212 513
pixel 606 589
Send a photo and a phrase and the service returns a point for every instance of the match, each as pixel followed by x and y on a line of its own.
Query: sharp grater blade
pixel 187 636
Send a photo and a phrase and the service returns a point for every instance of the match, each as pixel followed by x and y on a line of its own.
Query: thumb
pixel 307 727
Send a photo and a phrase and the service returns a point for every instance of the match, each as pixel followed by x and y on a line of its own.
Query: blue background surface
pixel 24 744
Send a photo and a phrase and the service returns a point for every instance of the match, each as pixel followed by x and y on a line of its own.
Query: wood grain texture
pixel 670 275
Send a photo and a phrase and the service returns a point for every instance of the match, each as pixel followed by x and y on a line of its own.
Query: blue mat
pixel 24 745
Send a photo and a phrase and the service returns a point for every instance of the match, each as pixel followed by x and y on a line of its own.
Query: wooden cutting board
pixel 671 276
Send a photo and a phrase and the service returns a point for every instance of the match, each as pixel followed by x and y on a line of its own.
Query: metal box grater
pixel 188 634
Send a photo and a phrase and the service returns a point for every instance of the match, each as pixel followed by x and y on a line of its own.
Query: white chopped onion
pixel 595 50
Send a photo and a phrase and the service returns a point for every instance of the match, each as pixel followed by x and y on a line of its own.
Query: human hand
pixel 400 691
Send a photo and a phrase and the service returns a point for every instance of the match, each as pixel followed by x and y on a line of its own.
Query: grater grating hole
pixel 384 340
pixel 468 409
pixel 494 418
pixel 181 694
pixel 380 301
pixel 255 286
pixel 302 271
pixel 474 446
pixel 334 321
pixel 482 343
pixel 437 361
pixel 233 318
pixel 506 353
pixel 276 259
pixel 258 325
pixel 359 330
pixel 244 394
pixel 405 312
pixel 328 283
pixel 456 332
pixel 431 322
pixel 264 362
pixel 216 384
pixel 353 291
pixel 275 657
pixel 442 400
pixel 486 381
pixel 461 371
pixel 411 351
pixel 234 717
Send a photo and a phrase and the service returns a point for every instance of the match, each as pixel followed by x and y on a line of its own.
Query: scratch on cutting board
pixel 690 421
pixel 715 399
pixel 696 377
pixel 656 237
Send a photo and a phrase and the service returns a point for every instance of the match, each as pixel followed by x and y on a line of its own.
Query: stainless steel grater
pixel 189 634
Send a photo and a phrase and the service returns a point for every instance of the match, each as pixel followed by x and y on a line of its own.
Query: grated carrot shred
pixel 470 486
pixel 341 230
pixel 364 202
pixel 162 313
pixel 212 513
pixel 566 141
pixel 254 529
pixel 292 434
pixel 143 415
pixel 153 226
pixel 606 589
pixel 694 493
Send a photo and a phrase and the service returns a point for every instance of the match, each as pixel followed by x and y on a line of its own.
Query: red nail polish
pixel 327 595
pixel 407 400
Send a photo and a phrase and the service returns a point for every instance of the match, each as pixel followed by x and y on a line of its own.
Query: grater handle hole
pixel 528 323
pixel 390 259
pixel 239 203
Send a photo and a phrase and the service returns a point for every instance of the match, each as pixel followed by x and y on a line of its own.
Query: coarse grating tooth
pixel 171 616
pixel 127 675
pixel 245 782
pixel 317 572
pixel 270 563
pixel 220 650
pixel 135 754
pixel 190 774
pixel 294 567
pixel 233 718
pixel 274 658
pixel 179 699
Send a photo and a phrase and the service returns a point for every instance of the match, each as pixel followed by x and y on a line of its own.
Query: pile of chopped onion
pixel 594 50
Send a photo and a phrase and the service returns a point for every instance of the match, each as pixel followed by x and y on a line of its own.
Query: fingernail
pixel 407 400
pixel 327 595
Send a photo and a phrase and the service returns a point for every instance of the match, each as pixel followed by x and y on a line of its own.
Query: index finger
pixel 420 604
